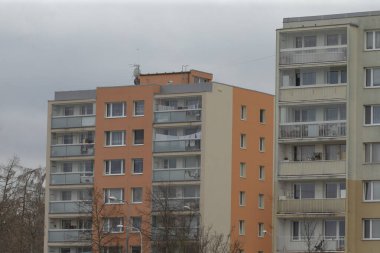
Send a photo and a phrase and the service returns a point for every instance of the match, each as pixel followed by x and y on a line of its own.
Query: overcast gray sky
pixel 49 46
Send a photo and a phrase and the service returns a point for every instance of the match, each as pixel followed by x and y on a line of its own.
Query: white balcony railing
pixel 313 55
pixel 75 206
pixel 311 205
pixel 71 178
pixel 313 130
pixel 318 243
pixel 176 174
pixel 312 168
pixel 69 235
pixel 73 121
pixel 72 150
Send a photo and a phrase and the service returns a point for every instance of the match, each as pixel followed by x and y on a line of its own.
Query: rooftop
pixel 332 16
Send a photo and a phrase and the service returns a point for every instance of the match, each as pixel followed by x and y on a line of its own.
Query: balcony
pixel 176 146
pixel 158 234
pixel 331 129
pixel 311 206
pixel 323 54
pixel 63 150
pixel 288 244
pixel 177 116
pixel 72 122
pixel 320 92
pixel 69 235
pixel 79 206
pixel 71 178
pixel 176 204
pixel 177 174
pixel 312 168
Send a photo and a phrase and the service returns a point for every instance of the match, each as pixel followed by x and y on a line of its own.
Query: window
pixel 137 195
pixel 241 198
pixel 308 78
pixel 114 196
pixel 115 109
pixel 112 225
pixel 138 137
pixel 243 141
pixel 136 222
pixel 87 109
pixel 112 249
pixel 334 229
pixel 243 112
pixel 137 166
pixel 136 249
pixel 304 191
pixel 67 167
pixel 371 114
pixel 68 111
pixel 372 77
pixel 261 201
pixel 372 40
pixel 310 41
pixel 332 39
pixel 68 139
pixel 114 167
pixel 261 172
pixel 335 190
pixel 261 230
pixel 115 138
pixel 372 152
pixel 303 229
pixel 262 116
pixel 333 77
pixel 335 152
pixel 371 229
pixel 243 169
pixel 372 191
pixel 298 42
pixel 65 250
pixel 66 195
pixel 262 144
pixel 241 227
pixel 139 108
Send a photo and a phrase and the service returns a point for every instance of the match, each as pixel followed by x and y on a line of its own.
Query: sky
pixel 48 46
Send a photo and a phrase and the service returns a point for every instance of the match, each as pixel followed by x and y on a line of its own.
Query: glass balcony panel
pixel 177 146
pixel 315 55
pixel 313 130
pixel 181 116
pixel 71 178
pixel 69 235
pixel 176 175
pixel 70 122
pixel 72 150
pixel 176 204
pixel 84 206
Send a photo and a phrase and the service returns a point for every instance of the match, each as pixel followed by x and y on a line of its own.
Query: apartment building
pixel 201 147
pixel 326 179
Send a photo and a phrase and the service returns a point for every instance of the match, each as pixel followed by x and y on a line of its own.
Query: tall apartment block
pixel 327 137
pixel 208 144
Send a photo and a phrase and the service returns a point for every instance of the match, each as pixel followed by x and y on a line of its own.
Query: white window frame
pixel 241 227
pixel 134 108
pixel 108 165
pixel 110 106
pixel 261 229
pixel 368 147
pixel 134 137
pixel 243 112
pixel 262 144
pixel 107 225
pixel 262 172
pixel 243 170
pixel 337 230
pixel 373 40
pixel 371 188
pixel 370 229
pixel 133 189
pixel 371 84
pixel 243 141
pixel 242 198
pixel 108 194
pixel 261 204
pixel 108 134
pixel 372 111
pixel 133 166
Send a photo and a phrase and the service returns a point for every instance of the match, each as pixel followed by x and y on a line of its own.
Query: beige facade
pixel 327 134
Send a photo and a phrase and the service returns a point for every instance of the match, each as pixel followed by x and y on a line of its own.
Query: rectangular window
pixel 310 41
pixel 372 114
pixel 303 229
pixel 112 249
pixel 261 230
pixel 262 144
pixel 241 227
pixel 372 152
pixel 87 109
pixel 332 39
pixel 67 167
pixel 243 169
pixel 304 191
pixel 138 137
pixel 334 229
pixel 261 172
pixel 66 195
pixel 137 165
pixel 372 77
pixel 137 195
pixel 114 167
pixel 298 42
pixel 114 196
pixel 139 108
pixel 373 40
pixel 333 77
pixel 136 222
pixel 243 112
pixel 335 152
pixel 241 198
pixel 68 111
pixel 261 201
pixel 371 229
pixel 243 141
pixel 115 109
pixel 372 191
pixel 262 116
pixel 113 225
pixel 68 139
pixel 335 190
pixel 115 138
pixel 136 249
pixel 308 78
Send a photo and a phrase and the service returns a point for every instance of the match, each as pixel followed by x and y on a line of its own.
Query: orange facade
pixel 252 183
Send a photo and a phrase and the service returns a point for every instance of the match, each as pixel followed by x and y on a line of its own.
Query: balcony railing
pixel 313 55
pixel 69 235
pixel 318 243
pixel 75 121
pixel 160 108
pixel 312 168
pixel 79 206
pixel 177 116
pixel 313 92
pixel 165 233
pixel 177 146
pixel 313 130
pixel 72 150
pixel 71 178
pixel 182 204
pixel 177 174
pixel 311 206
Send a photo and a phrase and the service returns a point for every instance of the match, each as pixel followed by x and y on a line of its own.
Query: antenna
pixel 184 67
pixel 136 74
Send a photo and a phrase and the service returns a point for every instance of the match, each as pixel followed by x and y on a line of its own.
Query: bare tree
pixel 313 242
